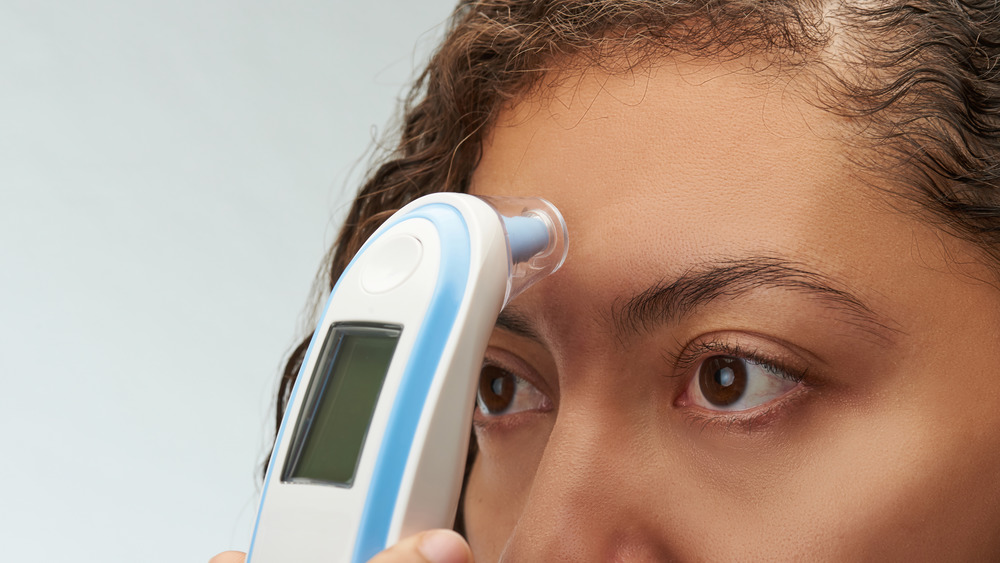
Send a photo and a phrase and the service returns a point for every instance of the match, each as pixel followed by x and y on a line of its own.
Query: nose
pixel 588 501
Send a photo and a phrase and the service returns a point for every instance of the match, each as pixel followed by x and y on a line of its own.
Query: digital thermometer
pixel 373 442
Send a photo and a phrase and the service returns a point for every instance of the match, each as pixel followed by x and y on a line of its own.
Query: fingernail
pixel 443 547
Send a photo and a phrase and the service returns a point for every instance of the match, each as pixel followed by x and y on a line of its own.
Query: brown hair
pixel 919 80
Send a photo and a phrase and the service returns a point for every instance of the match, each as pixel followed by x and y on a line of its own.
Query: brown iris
pixel 496 389
pixel 722 379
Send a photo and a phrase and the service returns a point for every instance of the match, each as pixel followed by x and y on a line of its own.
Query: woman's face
pixel 748 354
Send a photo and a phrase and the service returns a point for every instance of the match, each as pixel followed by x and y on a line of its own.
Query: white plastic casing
pixel 392 281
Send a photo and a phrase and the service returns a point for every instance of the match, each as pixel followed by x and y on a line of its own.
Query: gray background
pixel 171 174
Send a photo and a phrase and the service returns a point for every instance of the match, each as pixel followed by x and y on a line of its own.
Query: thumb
pixel 434 546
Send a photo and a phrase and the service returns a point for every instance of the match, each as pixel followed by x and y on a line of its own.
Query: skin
pixel 888 447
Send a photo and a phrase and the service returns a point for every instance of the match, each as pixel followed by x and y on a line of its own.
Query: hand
pixel 434 546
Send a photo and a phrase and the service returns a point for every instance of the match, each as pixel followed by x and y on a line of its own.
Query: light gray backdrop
pixel 171 173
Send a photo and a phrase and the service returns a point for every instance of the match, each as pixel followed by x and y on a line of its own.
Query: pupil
pixel 722 379
pixel 496 389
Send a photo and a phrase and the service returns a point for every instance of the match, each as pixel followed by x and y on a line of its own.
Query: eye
pixel 732 383
pixel 501 393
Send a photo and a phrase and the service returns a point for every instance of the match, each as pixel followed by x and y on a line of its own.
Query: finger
pixel 435 546
pixel 229 557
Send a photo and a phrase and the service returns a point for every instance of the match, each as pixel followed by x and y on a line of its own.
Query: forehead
pixel 703 154
pixel 661 170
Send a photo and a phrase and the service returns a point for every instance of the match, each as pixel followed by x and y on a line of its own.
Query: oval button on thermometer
pixel 389 262
pixel 374 438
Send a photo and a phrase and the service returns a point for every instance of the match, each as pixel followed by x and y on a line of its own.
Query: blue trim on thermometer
pixel 419 373
pixel 391 462
pixel 284 422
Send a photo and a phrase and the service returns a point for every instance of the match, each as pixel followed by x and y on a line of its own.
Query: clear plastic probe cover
pixel 537 240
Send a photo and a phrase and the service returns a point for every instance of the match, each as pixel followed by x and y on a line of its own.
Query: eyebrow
pixel 728 279
pixel 514 322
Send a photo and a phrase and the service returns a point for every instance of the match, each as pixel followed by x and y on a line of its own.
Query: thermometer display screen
pixel 339 404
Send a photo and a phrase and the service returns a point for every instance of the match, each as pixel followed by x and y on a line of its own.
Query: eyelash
pixel 750 419
pixel 510 365
pixel 690 358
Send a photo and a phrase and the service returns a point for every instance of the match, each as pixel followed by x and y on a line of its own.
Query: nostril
pixel 635 546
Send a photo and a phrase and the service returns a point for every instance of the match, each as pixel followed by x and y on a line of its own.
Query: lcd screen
pixel 340 403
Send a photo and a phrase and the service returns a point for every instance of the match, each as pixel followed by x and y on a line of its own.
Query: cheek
pixel 500 481
pixel 894 485
pixel 907 466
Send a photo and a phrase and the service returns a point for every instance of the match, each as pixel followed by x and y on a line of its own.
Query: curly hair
pixel 918 81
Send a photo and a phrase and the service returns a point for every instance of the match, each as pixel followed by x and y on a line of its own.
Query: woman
pixel 775 334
